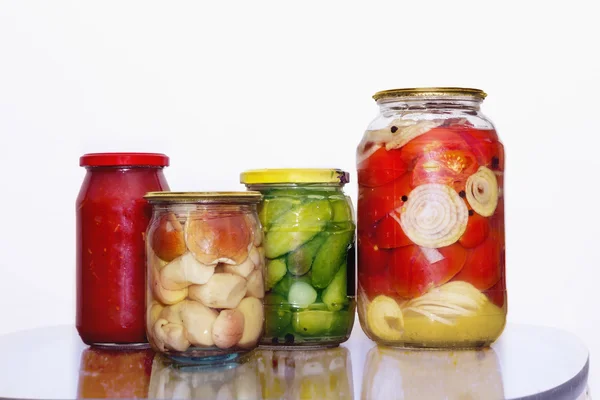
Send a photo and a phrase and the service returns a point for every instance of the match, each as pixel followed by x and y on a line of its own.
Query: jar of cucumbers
pixel 308 228
pixel 431 221
pixel 205 275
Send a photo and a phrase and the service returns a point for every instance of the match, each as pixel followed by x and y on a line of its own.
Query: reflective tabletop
pixel 526 362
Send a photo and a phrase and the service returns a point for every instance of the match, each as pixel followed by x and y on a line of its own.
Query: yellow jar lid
pixel 294 175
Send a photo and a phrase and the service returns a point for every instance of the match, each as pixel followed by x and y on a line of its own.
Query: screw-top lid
pixel 124 159
pixel 430 92
pixel 294 175
pixel 249 197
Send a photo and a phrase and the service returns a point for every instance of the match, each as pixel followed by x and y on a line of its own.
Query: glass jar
pixel 114 373
pixel 205 275
pixel 112 217
pixel 309 246
pixel 431 221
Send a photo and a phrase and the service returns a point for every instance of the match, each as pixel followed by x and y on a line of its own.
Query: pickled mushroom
pixel 256 285
pixel 167 239
pixel 224 290
pixel 165 296
pixel 228 328
pixel 185 271
pixel 218 239
pixel 244 269
pixel 170 336
pixel 253 312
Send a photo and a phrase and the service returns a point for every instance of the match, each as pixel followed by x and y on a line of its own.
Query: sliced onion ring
pixel 482 191
pixel 434 216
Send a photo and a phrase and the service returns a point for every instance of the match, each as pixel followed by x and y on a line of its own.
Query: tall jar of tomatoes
pixel 431 221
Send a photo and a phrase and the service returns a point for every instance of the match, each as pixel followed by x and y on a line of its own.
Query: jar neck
pixel 429 104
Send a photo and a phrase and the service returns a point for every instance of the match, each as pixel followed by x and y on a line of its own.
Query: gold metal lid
pixel 431 92
pixel 294 175
pixel 249 197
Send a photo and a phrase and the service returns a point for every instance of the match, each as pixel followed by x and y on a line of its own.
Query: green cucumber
pixel 317 305
pixel 296 227
pixel 301 294
pixel 329 258
pixel 341 325
pixel 336 294
pixel 276 270
pixel 271 209
pixel 274 299
pixel 277 320
pixel 300 260
pixel 340 209
pixel 312 322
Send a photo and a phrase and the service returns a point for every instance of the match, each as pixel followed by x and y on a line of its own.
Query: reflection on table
pixel 229 381
pixel 108 373
pixel 425 374
pixel 316 374
pixel 267 374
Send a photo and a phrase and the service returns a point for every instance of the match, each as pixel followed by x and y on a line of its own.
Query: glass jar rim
pixel 123 159
pixel 294 175
pixel 430 92
pixel 248 197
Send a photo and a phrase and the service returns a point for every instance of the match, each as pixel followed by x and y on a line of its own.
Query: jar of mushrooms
pixel 205 275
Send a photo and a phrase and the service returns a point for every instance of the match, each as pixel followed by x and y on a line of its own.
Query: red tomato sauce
pixel 112 218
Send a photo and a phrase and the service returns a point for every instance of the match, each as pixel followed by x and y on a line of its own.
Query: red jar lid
pixel 123 159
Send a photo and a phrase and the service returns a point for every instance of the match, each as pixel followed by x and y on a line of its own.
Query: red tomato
pixel 436 139
pixel 478 229
pixel 413 274
pixel 389 233
pixel 371 258
pixel 483 267
pixel 381 167
pixel 375 203
pixel 497 293
pixel 376 284
pixel 485 145
pixel 448 167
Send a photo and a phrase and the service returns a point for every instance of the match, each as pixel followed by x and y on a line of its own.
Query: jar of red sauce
pixel 112 217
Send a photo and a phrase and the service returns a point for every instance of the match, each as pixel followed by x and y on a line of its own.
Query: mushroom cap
pixel 214 239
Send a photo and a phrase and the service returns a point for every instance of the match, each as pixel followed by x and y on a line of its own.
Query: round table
pixel 527 362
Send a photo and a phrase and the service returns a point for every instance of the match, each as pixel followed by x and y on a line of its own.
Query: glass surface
pixel 526 362
pixel 310 264
pixel 431 225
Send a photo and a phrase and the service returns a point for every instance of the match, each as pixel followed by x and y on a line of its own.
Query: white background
pixel 226 86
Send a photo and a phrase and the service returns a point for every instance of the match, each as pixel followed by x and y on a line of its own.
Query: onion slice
pixel 405 134
pixel 448 302
pixel 434 216
pixel 482 191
